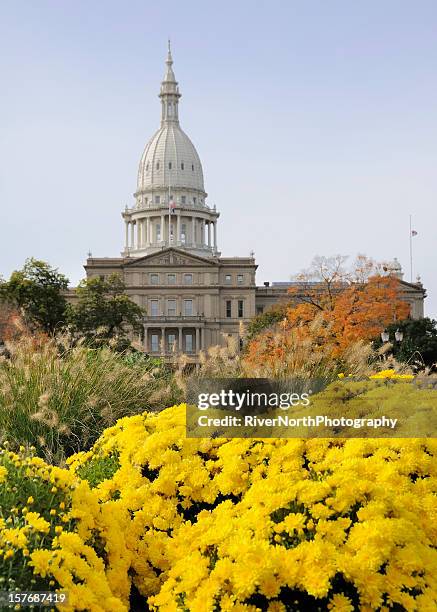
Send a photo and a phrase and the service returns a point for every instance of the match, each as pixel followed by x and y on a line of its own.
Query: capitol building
pixel 193 298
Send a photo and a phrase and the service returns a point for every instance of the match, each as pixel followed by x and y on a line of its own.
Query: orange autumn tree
pixel 331 309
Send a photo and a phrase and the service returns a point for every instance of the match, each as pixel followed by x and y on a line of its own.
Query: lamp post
pixel 385 336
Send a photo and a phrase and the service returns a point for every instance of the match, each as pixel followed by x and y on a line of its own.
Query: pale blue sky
pixel 316 123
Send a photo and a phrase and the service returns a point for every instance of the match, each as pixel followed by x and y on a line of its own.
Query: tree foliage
pixel 349 307
pixel 38 292
pixel 419 343
pixel 103 311
pixel 265 320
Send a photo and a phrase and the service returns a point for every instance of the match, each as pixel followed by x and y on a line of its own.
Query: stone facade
pixel 271 294
pixel 190 302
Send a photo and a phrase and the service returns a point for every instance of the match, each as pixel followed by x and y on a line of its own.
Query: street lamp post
pixel 385 336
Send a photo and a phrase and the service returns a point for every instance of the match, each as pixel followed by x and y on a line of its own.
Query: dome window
pixel 157 165
pixel 169 165
pixel 192 167
pixel 182 166
pixel 147 167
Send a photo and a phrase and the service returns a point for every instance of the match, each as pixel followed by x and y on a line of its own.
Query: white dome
pixel 170 160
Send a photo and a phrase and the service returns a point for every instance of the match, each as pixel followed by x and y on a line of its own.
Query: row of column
pixel 143 237
pixel 199 338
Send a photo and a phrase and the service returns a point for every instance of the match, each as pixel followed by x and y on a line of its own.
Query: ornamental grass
pixel 59 397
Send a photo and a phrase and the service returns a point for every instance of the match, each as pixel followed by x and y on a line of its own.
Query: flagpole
pixel 411 252
pixel 169 216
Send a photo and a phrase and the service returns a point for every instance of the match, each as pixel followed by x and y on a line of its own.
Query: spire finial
pixel 169 60
pixel 169 93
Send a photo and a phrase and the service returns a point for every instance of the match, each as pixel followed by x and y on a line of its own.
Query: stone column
pixel 162 228
pixel 202 231
pixel 178 230
pixel 214 225
pixel 180 338
pixel 163 346
pixel 209 234
pixel 139 233
pixel 193 230
pixel 197 339
pixel 202 337
pixel 132 234
pixel 151 237
pixel 146 231
pixel 127 234
pixel 146 340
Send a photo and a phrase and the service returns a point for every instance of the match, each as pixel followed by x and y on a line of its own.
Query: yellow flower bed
pixel 54 535
pixel 215 524
pixel 392 374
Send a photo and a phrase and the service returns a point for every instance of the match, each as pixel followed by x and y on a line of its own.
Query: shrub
pixel 271 524
pixel 61 397
pixel 419 344
pixel 54 536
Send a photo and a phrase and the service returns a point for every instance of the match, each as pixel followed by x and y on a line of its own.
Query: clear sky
pixel 316 123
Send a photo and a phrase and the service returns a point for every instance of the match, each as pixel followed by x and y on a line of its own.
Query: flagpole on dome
pixel 169 215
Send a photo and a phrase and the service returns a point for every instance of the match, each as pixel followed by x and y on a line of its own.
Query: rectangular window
pixel 228 279
pixel 228 309
pixel 188 279
pixel 184 198
pixel 189 343
pixel 154 308
pixel 154 279
pixel 188 308
pixel 171 342
pixel 194 200
pixel 239 279
pixel 183 233
pixel 171 308
pixel 240 309
pixel 171 279
pixel 158 232
pixel 157 199
pixel 154 343
pixel 259 309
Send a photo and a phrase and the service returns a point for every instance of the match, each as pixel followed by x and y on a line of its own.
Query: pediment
pixel 170 257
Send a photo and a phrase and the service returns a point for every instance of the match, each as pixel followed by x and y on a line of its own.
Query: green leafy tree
pixel 104 312
pixel 266 319
pixel 419 343
pixel 38 292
